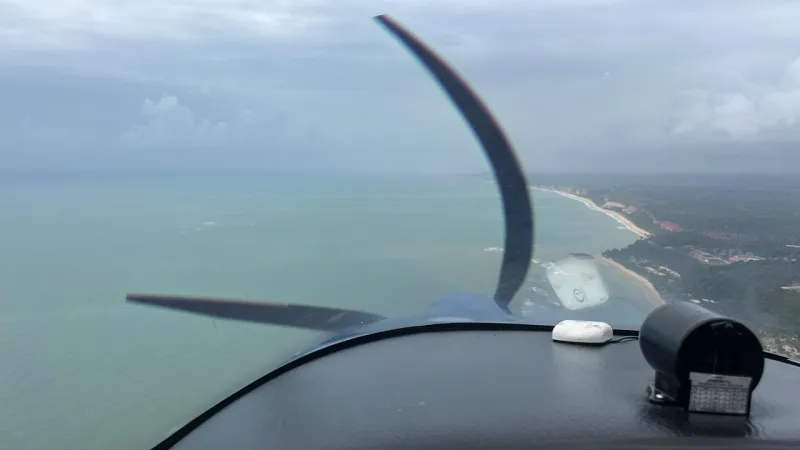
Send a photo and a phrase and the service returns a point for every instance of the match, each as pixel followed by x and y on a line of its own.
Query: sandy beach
pixel 619 217
pixel 650 291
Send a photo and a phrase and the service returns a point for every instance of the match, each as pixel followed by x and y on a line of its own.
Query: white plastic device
pixel 582 332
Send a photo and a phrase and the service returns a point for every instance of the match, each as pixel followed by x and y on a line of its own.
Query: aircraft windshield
pixel 301 155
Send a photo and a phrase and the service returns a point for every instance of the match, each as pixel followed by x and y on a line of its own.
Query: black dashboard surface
pixel 475 389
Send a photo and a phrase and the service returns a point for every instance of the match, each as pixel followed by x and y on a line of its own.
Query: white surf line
pixel 630 226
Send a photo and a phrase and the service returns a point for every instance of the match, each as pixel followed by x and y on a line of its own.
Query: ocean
pixel 81 369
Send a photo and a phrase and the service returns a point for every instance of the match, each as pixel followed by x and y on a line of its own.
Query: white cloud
pixel 170 124
pixel 564 76
pixel 744 115
pixel 171 129
pixel 54 22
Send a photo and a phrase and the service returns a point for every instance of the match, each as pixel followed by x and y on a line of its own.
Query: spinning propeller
pixel 516 208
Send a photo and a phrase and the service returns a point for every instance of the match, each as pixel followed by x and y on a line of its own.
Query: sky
pixel 317 85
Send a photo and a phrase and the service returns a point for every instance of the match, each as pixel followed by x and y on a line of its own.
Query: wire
pixel 622 339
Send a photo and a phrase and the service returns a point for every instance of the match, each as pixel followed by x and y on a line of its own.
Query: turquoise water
pixel 83 370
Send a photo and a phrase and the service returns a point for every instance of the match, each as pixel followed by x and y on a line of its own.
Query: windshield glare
pixel 312 160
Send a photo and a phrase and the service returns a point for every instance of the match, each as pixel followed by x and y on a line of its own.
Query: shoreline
pixel 650 291
pixel 652 294
pixel 617 216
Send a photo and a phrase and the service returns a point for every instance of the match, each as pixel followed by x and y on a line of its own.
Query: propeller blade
pixel 510 177
pixel 298 316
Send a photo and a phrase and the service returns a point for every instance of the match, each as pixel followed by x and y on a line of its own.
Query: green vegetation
pixel 731 243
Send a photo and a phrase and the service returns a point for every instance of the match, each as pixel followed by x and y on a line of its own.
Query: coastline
pixel 617 216
pixel 651 292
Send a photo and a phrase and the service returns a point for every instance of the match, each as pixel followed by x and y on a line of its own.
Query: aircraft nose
pixel 467 306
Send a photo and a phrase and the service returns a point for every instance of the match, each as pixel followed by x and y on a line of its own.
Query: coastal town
pixel 702 249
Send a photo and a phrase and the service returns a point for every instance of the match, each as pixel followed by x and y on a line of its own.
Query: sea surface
pixel 80 369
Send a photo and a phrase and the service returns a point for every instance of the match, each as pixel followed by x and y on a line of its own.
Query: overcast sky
pixel 318 85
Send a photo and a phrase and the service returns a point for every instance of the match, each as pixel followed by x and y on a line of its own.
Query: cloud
pixel 82 21
pixel 317 84
pixel 170 124
pixel 173 135
pixel 745 114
